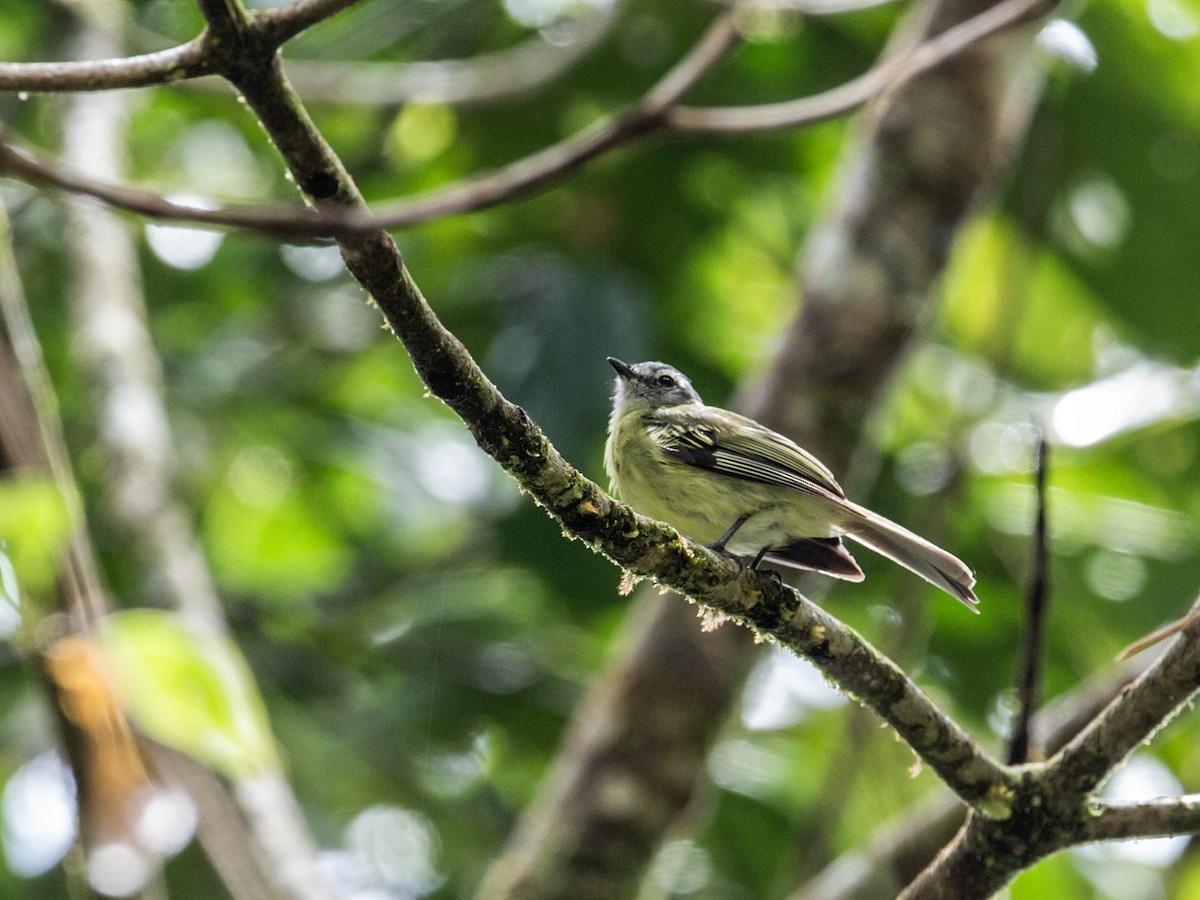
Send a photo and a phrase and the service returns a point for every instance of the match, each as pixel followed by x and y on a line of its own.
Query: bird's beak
pixel 622 369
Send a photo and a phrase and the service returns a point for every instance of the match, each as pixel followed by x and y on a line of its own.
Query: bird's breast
pixel 660 487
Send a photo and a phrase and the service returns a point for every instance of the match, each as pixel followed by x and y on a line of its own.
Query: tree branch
pixel 901 848
pixel 1161 817
pixel 636 543
pixel 40 172
pixel 1053 807
pixel 280 25
pixel 861 310
pixel 656 112
pixel 1133 717
pixel 884 76
pixel 190 60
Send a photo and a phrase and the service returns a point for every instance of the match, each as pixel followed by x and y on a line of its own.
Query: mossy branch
pixel 639 545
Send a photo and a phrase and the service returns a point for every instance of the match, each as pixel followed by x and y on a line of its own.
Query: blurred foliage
pixel 190 690
pixel 34 531
pixel 419 633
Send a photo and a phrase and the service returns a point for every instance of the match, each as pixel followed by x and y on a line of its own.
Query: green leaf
pixel 34 530
pixel 190 690
pixel 272 542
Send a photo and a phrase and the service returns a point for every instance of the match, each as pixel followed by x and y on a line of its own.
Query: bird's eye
pixel 665 381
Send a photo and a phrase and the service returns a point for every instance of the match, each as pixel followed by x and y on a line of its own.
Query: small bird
pixel 737 486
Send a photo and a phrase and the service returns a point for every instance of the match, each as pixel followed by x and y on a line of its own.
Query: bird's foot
pixel 720 549
pixel 773 573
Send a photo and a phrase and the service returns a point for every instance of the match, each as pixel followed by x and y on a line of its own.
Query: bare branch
pixel 40 172
pixel 190 60
pixel 284 23
pixel 1159 634
pixel 884 76
pixel 1160 817
pixel 656 112
pixel 1053 805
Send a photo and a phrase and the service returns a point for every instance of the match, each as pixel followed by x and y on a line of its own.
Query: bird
pixel 741 489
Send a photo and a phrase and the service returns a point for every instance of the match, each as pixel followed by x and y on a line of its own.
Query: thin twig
pixel 1141 710
pixel 1029 674
pixel 190 60
pixel 285 22
pixel 883 76
pixel 1159 635
pixel 38 171
pixel 1126 820
pixel 906 844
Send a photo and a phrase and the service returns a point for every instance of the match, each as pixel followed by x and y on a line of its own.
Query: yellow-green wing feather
pixel 729 444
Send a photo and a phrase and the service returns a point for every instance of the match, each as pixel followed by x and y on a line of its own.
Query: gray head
pixel 647 384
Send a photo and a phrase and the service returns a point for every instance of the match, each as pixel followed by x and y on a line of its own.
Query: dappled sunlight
pixel 1079 519
pixel 682 867
pixel 182 247
pixel 1176 19
pixel 542 13
pixel 39 814
pixel 1144 394
pixel 313 263
pixel 783 690
pixel 744 767
pixel 389 852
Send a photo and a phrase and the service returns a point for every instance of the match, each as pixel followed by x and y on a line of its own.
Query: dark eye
pixel 665 381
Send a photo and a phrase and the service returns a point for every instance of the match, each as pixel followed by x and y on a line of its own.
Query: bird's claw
pixel 719 549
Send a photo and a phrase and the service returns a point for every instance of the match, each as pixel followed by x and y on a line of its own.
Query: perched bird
pixel 739 487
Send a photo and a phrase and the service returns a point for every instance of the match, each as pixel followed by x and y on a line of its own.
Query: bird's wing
pixel 704 437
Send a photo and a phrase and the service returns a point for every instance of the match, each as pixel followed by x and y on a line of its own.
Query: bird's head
pixel 650 384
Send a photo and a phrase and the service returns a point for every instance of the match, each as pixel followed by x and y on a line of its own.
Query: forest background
pixel 462 702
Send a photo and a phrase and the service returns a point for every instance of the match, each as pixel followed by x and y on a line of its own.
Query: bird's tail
pixel 935 565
